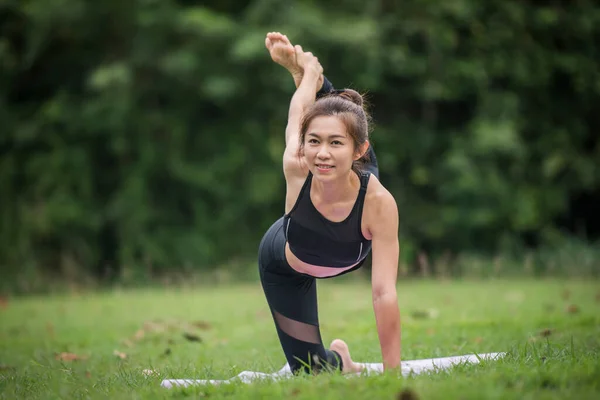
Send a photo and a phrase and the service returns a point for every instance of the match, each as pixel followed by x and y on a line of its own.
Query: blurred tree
pixel 148 134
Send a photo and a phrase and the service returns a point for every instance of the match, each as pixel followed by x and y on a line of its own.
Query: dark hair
pixel 348 106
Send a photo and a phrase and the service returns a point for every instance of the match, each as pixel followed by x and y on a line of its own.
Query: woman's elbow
pixel 384 292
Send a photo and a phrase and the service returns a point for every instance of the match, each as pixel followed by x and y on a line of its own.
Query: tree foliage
pixel 149 133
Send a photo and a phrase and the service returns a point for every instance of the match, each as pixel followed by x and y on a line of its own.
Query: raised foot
pixel 282 52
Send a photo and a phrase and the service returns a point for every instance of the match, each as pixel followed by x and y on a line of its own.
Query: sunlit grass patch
pixel 121 344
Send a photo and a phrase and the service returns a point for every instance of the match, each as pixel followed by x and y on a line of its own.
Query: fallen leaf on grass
pixel 156 327
pixel 407 394
pixel 122 356
pixel 191 337
pixel 88 374
pixel 546 332
pixel 202 325
pixel 139 335
pixel 572 309
pixel 478 340
pixel 69 357
pixel 3 302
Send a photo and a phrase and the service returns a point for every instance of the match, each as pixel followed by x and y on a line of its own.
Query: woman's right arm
pixel 303 98
pixel 305 94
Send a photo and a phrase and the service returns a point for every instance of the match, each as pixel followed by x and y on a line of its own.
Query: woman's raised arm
pixel 305 94
pixel 303 98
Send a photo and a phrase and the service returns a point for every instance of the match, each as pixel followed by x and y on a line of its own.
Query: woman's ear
pixel 362 150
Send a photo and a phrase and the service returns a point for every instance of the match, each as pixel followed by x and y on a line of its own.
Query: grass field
pixel 121 344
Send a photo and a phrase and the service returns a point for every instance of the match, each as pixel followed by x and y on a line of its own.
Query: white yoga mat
pixel 408 367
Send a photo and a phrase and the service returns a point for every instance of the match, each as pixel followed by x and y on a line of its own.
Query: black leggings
pixel 292 298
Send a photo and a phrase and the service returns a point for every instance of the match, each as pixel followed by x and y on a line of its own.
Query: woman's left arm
pixel 386 250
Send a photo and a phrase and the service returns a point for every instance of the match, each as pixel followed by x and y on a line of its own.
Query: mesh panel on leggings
pixel 298 330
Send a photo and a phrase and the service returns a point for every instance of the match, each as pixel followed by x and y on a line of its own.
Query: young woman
pixel 336 212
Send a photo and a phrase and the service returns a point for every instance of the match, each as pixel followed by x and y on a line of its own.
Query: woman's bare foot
pixel 283 53
pixel 341 348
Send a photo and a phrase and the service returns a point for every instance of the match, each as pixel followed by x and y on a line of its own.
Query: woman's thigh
pixel 288 292
pixel 372 166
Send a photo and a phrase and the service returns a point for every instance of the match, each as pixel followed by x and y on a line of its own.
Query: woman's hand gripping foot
pixel 283 53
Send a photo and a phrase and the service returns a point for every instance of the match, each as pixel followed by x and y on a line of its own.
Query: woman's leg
pixel 292 299
pixel 372 165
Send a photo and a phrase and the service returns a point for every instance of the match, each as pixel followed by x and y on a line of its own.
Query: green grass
pixel 236 333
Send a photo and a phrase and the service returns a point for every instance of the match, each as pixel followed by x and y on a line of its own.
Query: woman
pixel 336 211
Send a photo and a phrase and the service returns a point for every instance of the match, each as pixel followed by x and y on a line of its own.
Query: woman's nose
pixel 323 152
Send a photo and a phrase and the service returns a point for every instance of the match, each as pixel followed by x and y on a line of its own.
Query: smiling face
pixel 328 149
pixel 334 135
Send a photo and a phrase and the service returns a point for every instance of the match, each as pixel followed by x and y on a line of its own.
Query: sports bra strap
pixel 364 182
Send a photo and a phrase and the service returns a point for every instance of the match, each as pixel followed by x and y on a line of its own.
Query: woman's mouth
pixel 324 167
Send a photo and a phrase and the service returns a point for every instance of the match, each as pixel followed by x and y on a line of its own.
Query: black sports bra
pixel 316 240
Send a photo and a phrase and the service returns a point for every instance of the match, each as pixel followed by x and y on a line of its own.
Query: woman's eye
pixel 312 141
pixel 336 142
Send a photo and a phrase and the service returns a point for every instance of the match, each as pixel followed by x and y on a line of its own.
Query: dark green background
pixel 147 135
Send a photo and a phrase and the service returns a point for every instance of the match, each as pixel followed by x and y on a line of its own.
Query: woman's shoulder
pixel 379 202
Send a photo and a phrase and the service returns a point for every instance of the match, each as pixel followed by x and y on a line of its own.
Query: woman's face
pixel 328 149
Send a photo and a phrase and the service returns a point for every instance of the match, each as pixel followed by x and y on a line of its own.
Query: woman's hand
pixel 313 71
